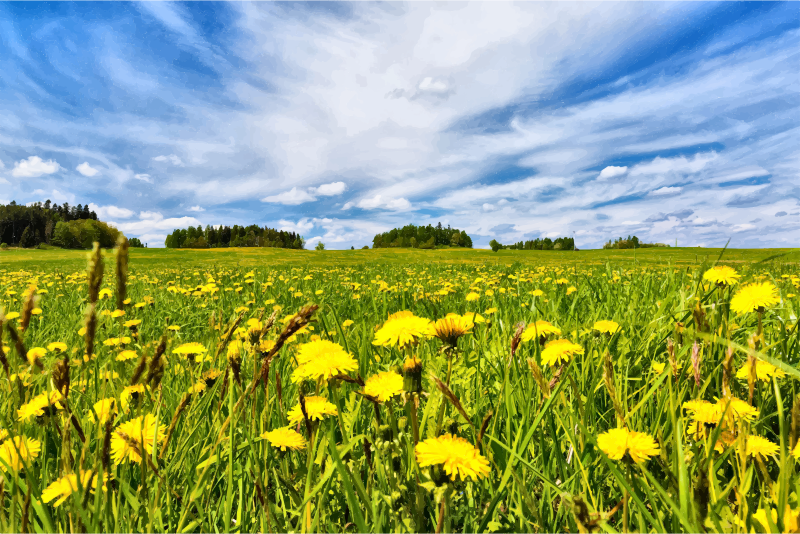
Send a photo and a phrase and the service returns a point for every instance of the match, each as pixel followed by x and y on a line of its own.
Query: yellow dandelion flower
pixel 37 406
pixel 131 394
pixel 452 327
pixel 105 409
pixel 474 318
pixel 316 408
pixel 65 486
pixel 173 327
pixel 540 329
pixel 10 316
pixel 606 327
pixel 472 296
pixel 285 438
pixel 537 293
pixel 57 346
pixel 188 349
pixel 457 456
pixel 619 442
pixel 738 410
pixel 722 275
pixel 755 297
pixel 16 452
pixel 384 386
pixel 559 350
pixel 758 446
pixel 764 371
pixel 35 353
pixel 129 438
pixel 126 355
pixel 322 359
pixel 791 520
pixel 105 293
pixel 117 313
pixel 402 329
pixel 658 367
pixel 133 323
pixel 347 323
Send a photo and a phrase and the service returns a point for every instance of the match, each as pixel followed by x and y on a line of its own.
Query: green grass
pixel 546 474
pixel 167 258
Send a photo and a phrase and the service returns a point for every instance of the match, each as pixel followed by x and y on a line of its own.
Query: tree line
pixel 630 242
pixel 52 224
pixel 425 237
pixel 561 243
pixel 236 236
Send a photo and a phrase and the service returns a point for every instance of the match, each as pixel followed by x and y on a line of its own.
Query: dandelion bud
pixel 727 372
pixel 61 376
pixel 696 363
pixel 122 270
pixel 94 272
pixel 235 361
pixel 671 356
pixel 27 307
pixel 412 375
pixel 795 422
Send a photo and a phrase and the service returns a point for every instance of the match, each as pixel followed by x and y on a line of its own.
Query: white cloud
pixel 488 207
pixel 153 240
pixel 172 158
pixel 292 197
pixel 2 165
pixel 398 204
pixel 151 215
pixel 611 172
pixel 197 208
pixel 151 222
pixel 55 195
pixel 370 203
pixel 33 167
pixel 680 164
pixel 106 212
pixel 300 227
pixel 86 169
pixel 743 227
pixel 664 191
pixel 143 178
pixel 331 189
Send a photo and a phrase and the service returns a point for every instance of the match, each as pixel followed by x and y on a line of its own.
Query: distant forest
pixel 50 224
pixel 236 236
pixel 425 237
pixel 561 243
pixel 630 242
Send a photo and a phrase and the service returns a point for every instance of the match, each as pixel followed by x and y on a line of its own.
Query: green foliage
pixel 495 245
pixel 39 219
pixel 236 236
pixel 561 243
pixel 424 237
pixel 320 246
pixel 82 233
pixel 135 242
pixel 630 242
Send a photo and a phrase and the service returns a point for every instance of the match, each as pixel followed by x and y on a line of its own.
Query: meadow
pixel 270 390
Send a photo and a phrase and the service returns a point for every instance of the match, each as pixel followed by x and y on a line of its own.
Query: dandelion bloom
pixel 791 519
pixel 384 386
pixel 472 296
pixel 559 350
pixel 133 323
pixel 402 329
pixel 126 355
pixel 141 431
pixel 606 327
pixel 322 359
pixel 67 485
pixel 758 446
pixel 658 367
pixel 618 442
pixel 188 349
pixel 764 371
pixel 105 409
pixel 457 455
pixel 15 453
pixel 129 394
pixel 537 293
pixel 35 353
pixel 738 410
pixel 755 297
pixel 36 406
pixel 474 318
pixel 11 315
pixel 347 323
pixel 285 438
pixel 540 329
pixel 57 346
pixel 451 328
pixel 316 408
pixel 117 313
pixel 722 275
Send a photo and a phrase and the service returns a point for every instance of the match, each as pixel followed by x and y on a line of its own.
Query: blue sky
pixel 340 120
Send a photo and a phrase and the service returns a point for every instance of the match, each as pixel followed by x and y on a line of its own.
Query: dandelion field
pixel 302 392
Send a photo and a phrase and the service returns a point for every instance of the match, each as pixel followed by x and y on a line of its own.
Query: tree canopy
pixel 236 236
pixel 52 224
pixel 425 237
